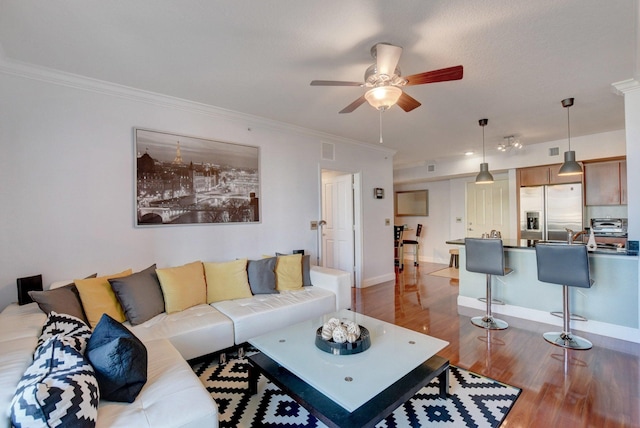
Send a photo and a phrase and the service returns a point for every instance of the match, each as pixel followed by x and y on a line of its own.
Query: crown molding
pixel 56 77
pixel 625 86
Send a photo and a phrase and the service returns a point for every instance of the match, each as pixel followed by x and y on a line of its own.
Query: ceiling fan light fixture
pixel 383 97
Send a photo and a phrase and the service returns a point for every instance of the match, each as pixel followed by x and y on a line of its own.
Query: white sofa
pixel 173 395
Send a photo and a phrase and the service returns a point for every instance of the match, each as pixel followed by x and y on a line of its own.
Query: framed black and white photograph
pixel 189 180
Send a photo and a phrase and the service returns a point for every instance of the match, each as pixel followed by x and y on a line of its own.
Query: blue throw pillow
pixel 119 359
pixel 58 389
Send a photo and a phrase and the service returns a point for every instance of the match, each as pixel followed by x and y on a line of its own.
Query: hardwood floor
pixel 599 387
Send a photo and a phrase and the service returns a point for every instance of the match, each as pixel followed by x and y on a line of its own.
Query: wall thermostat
pixel 378 193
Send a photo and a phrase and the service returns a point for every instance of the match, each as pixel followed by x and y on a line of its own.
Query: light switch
pixel 387 222
pixel 314 225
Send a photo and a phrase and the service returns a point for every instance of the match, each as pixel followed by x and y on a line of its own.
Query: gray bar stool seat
pixel 566 265
pixel 486 255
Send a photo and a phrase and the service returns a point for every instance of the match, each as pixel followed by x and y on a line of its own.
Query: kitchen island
pixel 610 305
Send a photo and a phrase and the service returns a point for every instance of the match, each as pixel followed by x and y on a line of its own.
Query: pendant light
pixel 484 176
pixel 570 166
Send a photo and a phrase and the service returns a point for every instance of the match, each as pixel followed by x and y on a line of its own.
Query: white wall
pixel 66 174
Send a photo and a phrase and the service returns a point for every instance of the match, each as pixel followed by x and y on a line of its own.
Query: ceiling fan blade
pixel 354 105
pixel 407 102
pixel 387 57
pixel 334 83
pixel 442 75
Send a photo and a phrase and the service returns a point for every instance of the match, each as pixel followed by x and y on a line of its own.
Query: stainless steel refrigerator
pixel 546 212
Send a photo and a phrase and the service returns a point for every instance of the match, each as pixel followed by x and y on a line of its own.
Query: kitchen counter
pixel 611 305
pixel 530 244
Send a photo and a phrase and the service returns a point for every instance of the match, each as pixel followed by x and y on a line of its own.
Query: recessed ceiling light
pixel 468 153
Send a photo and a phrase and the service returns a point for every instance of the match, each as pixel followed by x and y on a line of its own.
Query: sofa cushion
pixel 71 330
pixel 289 272
pixel 196 331
pixel 58 389
pixel 183 286
pixel 266 312
pixel 172 397
pixel 262 276
pixel 98 298
pixel 227 280
pixel 64 300
pixel 139 295
pixel 119 359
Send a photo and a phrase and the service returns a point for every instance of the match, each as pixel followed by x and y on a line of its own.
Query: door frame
pixel 357 219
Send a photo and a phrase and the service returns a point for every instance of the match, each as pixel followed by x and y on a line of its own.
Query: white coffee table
pixel 350 390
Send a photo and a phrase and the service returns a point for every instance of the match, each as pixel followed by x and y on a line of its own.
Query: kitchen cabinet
pixel 606 183
pixel 547 174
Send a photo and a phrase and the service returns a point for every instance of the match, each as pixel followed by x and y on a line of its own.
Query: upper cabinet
pixel 548 174
pixel 606 183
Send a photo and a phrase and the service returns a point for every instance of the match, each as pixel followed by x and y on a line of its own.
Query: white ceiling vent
pixel 554 151
pixel 431 167
pixel 328 151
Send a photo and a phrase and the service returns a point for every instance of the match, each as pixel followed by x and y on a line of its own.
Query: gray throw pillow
pixel 262 277
pixel 139 295
pixel 63 300
pixel 306 267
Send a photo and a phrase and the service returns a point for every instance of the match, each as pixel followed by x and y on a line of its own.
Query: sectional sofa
pixel 172 395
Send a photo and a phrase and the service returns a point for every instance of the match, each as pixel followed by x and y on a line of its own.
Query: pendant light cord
pixel 569 127
pixel 380 126
pixel 483 161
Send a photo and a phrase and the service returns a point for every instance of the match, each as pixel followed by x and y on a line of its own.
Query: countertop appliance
pixel 612 227
pixel 546 212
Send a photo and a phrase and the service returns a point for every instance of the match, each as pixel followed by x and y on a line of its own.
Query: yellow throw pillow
pixel 289 272
pixel 183 286
pixel 98 298
pixel 227 280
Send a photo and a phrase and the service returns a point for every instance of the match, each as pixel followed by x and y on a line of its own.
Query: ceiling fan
pixel 385 81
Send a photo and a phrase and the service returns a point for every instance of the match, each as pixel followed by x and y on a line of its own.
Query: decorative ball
pixel 353 328
pixel 352 337
pixel 340 334
pixel 334 321
pixel 327 331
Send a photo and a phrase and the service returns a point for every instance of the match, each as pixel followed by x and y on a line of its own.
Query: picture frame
pixel 412 203
pixel 183 180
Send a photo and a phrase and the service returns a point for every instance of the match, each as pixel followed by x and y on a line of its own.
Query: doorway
pixel 340 230
pixel 488 208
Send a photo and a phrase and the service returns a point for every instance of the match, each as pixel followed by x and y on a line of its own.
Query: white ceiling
pixel 520 58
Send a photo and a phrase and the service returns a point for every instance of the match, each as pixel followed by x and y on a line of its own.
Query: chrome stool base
pixel 567 340
pixel 489 323
pixel 493 301
pixel 574 317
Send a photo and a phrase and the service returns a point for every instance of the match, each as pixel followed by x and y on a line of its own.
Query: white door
pixel 488 208
pixel 338 232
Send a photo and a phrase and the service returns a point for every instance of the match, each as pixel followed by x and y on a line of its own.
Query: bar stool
pixel 566 265
pixel 454 257
pixel 416 245
pixel 398 248
pixel 486 256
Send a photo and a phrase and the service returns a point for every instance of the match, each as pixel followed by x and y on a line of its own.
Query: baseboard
pixel 378 280
pixel 605 331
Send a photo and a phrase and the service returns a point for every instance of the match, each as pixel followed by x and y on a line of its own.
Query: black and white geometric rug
pixel 474 401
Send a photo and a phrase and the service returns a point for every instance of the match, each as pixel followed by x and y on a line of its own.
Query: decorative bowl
pixel 360 345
